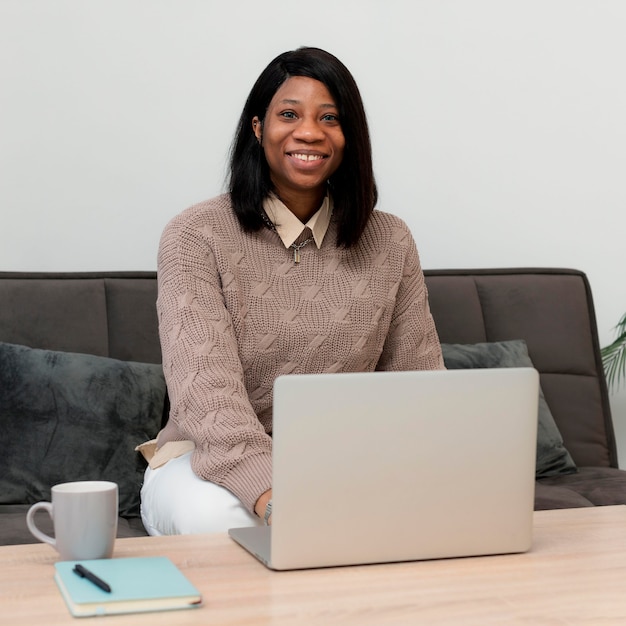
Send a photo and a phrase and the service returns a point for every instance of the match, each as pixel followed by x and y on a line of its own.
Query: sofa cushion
pixel 590 486
pixel 552 456
pixel 67 416
pixel 557 497
pixel 15 531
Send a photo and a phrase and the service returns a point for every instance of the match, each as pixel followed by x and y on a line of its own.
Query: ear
pixel 257 127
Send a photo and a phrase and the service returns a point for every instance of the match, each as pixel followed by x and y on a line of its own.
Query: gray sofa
pixel 80 381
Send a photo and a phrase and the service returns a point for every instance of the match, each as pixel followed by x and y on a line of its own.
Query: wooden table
pixel 575 574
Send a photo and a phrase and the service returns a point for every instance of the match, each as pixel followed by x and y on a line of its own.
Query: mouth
pixel 306 157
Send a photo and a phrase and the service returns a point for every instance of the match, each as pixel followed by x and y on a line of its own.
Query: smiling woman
pixel 303 143
pixel 291 272
pixel 352 183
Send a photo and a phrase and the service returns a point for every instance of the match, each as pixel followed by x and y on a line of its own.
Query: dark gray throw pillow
pixel 552 456
pixel 67 417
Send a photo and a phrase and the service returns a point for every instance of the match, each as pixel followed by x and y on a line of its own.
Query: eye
pixel 289 115
pixel 330 117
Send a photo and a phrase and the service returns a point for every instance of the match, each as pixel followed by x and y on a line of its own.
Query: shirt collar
pixel 289 227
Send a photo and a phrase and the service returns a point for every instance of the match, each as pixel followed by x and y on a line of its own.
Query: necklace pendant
pixel 296 255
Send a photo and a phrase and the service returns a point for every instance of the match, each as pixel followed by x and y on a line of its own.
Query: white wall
pixel 499 126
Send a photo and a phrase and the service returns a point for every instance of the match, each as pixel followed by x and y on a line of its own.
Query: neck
pixel 302 204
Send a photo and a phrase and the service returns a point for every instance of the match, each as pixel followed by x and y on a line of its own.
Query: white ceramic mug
pixel 84 516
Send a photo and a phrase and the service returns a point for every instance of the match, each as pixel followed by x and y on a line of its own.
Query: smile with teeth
pixel 306 157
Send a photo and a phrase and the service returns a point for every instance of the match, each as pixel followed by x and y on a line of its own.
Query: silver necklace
pixel 296 247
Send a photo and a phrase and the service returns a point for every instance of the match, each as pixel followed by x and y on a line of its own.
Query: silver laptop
pixel 399 466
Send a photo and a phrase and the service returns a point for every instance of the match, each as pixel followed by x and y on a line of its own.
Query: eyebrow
pixel 322 106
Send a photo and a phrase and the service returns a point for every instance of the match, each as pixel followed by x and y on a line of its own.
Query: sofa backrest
pixel 552 310
pixel 107 314
pixel 113 314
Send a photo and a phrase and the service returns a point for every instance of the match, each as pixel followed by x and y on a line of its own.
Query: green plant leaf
pixel 614 356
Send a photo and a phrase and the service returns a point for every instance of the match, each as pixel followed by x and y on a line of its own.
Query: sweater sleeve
pixel 412 341
pixel 203 371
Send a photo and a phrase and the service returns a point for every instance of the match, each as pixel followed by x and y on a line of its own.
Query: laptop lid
pixel 397 466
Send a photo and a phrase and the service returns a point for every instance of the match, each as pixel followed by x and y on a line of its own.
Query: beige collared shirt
pixel 289 227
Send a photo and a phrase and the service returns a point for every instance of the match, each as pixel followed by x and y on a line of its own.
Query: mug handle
pixel 30 522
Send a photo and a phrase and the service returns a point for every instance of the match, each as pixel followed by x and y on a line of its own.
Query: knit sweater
pixel 235 312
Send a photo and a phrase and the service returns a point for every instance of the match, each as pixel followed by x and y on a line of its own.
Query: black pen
pixel 85 573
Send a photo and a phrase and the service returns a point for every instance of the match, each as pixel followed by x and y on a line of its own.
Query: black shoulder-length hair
pixel 352 186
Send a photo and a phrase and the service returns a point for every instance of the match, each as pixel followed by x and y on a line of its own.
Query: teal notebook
pixel 137 585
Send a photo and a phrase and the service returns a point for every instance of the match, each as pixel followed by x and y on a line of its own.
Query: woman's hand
pixel 261 504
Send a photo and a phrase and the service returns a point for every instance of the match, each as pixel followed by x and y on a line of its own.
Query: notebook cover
pixel 137 584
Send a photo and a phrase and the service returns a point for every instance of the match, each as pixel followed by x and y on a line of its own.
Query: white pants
pixel 174 501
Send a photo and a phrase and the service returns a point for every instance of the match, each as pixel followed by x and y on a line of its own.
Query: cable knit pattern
pixel 235 312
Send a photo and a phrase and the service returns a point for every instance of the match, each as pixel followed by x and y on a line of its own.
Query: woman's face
pixel 301 137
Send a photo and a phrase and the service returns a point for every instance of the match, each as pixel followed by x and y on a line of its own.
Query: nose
pixel 308 130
